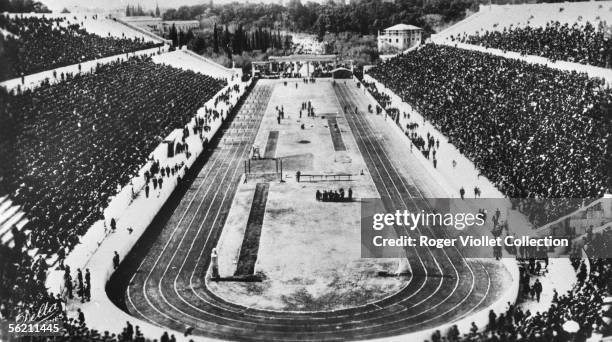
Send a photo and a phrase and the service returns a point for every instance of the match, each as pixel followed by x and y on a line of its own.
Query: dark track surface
pixel 271 145
pixel 250 243
pixel 336 135
pixel 167 289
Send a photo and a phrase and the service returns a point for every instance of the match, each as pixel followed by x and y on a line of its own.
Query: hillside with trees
pixel 363 17
pixel 242 32
pixel 23 6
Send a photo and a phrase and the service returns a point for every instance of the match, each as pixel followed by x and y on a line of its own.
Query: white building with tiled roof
pixel 398 38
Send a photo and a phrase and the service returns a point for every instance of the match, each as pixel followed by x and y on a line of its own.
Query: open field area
pixel 309 252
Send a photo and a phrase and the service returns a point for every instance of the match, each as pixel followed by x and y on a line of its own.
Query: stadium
pixel 238 172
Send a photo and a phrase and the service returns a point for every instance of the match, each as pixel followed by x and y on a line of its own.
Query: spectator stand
pixel 595 216
pixel 123 200
pixel 466 172
pixel 562 40
pixel 578 305
pixel 449 178
pixel 97 24
pixel 592 71
pixel 133 212
pixel 584 305
pixel 493 17
pixel 34 80
pixel 463 174
pixel 580 242
pixel 412 48
pixel 91 25
pixel 480 318
pixel 442 181
pixel 558 268
pixel 584 237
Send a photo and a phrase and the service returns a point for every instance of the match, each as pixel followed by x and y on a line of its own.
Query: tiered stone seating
pixel 69 147
pixel 498 17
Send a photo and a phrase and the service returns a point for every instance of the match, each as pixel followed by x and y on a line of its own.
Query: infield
pixel 309 250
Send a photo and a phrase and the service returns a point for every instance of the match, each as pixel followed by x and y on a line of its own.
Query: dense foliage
pixel 364 17
pixel 22 6
pixel 221 39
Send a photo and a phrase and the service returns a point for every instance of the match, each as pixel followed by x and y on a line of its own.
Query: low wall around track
pixel 34 80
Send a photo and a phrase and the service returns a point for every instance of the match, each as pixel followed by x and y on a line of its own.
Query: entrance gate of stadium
pixel 280 66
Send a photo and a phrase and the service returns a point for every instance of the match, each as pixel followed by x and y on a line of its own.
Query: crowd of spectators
pixel 585 44
pixel 539 211
pixel 69 147
pixel 22 282
pixel 34 44
pixel 582 304
pixel 535 132
pixel 598 244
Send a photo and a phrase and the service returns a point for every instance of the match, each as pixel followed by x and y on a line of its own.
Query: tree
pixel 5 6
pixel 189 36
pixel 181 38
pixel 65 10
pixel 287 42
pixel 157 13
pixel 238 41
pixel 198 44
pixel 215 39
pixel 23 6
pixel 174 35
pixel 226 43
pixel 38 7
pixel 226 39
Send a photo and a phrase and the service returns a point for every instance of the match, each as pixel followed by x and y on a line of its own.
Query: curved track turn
pixel 167 288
